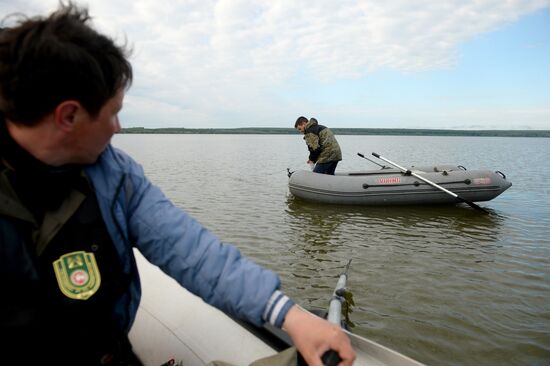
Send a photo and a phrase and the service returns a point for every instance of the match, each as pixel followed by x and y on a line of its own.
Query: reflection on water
pixel 447 285
pixel 323 224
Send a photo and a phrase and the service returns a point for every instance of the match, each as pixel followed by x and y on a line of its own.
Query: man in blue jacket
pixel 72 208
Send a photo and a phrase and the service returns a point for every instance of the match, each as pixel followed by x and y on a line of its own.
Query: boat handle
pixel 500 173
pixel 331 358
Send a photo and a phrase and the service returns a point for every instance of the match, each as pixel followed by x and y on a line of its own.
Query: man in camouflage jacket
pixel 324 150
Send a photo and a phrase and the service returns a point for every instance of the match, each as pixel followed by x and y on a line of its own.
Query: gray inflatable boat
pixel 389 186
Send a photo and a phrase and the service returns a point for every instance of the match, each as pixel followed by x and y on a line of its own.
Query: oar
pixel 407 171
pixel 335 305
pixel 372 161
pixel 334 315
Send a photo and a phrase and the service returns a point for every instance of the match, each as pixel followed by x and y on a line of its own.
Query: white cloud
pixel 197 61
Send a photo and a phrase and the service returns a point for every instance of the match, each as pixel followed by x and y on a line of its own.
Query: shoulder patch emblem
pixel 77 275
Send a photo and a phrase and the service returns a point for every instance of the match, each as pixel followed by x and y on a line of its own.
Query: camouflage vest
pixel 321 143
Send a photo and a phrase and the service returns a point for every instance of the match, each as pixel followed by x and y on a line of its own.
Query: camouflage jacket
pixel 321 143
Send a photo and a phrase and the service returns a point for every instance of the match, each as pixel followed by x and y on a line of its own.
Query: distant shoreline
pixel 340 131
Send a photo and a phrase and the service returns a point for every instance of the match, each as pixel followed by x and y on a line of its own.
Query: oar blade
pixel 471 204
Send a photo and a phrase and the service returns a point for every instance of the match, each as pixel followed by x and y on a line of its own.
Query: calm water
pixel 444 285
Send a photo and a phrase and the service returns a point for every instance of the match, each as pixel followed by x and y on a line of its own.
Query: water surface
pixel 446 285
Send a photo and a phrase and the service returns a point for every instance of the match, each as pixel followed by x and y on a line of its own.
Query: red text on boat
pixel 391 180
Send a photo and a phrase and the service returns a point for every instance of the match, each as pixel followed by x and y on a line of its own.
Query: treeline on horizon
pixel 340 131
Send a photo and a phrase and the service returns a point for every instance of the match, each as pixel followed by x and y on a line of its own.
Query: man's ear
pixel 66 114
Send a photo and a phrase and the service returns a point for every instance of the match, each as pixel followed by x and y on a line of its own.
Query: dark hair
pixel 47 60
pixel 300 120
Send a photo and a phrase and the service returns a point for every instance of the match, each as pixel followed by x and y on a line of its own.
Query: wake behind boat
pixel 394 186
pixel 187 331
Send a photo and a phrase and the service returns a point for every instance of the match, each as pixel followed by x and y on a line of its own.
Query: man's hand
pixel 314 336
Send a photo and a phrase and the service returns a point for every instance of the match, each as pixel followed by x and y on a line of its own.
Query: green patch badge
pixel 77 275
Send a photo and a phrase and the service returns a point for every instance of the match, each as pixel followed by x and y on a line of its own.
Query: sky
pixel 445 64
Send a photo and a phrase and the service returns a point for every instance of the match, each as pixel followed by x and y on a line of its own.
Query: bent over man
pixel 73 208
pixel 323 148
